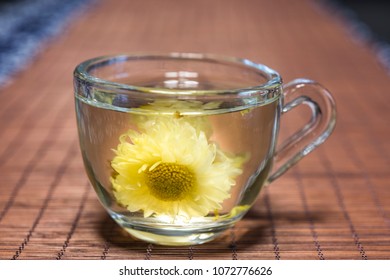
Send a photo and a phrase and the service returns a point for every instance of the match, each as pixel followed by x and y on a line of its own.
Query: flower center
pixel 170 181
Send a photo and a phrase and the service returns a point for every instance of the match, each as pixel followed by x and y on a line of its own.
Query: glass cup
pixel 177 146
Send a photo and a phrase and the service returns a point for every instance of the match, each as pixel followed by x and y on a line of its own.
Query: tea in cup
pixel 178 146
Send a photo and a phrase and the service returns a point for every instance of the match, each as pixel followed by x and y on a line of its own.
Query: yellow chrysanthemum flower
pixel 170 168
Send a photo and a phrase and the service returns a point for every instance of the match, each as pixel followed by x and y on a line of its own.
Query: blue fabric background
pixel 25 25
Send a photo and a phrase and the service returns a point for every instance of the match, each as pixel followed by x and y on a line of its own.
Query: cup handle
pixel 314 133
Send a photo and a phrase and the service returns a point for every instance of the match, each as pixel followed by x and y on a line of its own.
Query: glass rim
pixel 82 72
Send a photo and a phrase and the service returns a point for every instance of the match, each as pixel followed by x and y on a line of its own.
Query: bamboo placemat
pixel 334 205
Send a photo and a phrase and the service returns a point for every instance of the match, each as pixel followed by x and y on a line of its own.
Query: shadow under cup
pixel 178 146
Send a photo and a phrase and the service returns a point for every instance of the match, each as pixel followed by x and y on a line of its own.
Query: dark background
pixel 374 13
